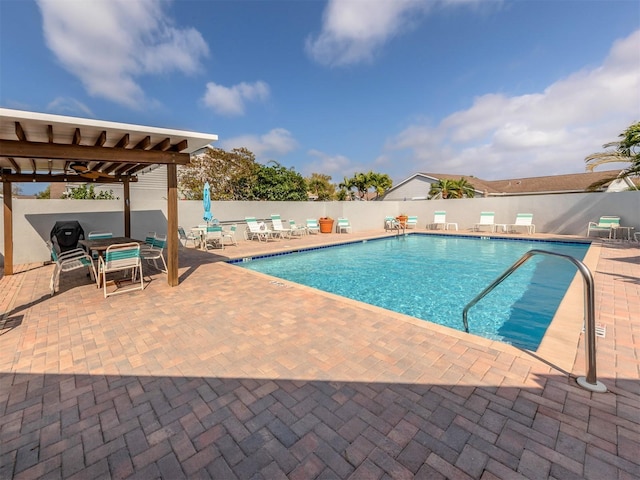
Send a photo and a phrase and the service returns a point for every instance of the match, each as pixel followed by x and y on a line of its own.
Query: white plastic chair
pixel 486 220
pixel 412 221
pixel 156 252
pixel 278 227
pixel 343 225
pixel 523 220
pixel 185 237
pixel 440 218
pixel 313 226
pixel 231 235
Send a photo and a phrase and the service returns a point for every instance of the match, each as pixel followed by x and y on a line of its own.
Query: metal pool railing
pixel 590 381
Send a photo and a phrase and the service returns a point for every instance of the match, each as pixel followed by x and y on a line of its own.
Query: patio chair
pixel 95 235
pixel 523 220
pixel 257 230
pixel 231 235
pixel 185 237
pixel 67 262
pixel 213 237
pixel 276 224
pixel 440 218
pixel 313 226
pixel 118 258
pixel 156 252
pixel 343 225
pixel 606 224
pixel 486 220
pixel 412 221
pixel 297 229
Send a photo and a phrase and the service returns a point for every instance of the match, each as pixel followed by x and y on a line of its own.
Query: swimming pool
pixel 433 277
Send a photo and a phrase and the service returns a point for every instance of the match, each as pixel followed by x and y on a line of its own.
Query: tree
pixel 320 185
pixel 16 190
pixel 277 183
pixel 346 189
pixel 84 193
pixel 446 188
pixel 44 194
pixel 625 150
pixel 362 182
pixel 226 172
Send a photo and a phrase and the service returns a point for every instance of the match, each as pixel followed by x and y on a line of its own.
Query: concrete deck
pixel 234 375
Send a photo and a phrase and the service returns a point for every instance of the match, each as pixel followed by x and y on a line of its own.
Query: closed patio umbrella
pixel 206 203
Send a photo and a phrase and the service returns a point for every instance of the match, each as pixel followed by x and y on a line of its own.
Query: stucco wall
pixel 561 214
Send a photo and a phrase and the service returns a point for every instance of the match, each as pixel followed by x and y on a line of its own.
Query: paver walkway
pixel 235 375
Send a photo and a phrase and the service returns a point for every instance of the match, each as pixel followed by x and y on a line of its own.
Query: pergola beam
pixel 12 148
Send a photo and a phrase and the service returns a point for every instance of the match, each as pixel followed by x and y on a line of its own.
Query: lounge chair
pixel 486 220
pixel 523 220
pixel 185 237
pixel 155 252
pixel 120 257
pixel 313 226
pixel 67 262
pixel 343 225
pixel 440 218
pixel 412 221
pixel 278 227
pixel 606 224
pixel 257 230
pixel 297 229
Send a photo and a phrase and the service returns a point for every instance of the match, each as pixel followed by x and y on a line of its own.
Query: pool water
pixel 433 277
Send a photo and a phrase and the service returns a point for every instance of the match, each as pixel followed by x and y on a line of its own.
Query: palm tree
pixel 381 182
pixel 464 189
pixel 444 188
pixel 626 150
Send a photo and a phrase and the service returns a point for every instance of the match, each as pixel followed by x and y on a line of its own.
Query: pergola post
pixel 8 229
pixel 127 207
pixel 172 225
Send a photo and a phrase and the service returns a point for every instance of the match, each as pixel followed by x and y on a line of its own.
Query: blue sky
pixel 495 89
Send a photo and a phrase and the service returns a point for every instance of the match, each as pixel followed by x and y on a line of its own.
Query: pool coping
pixel 559 345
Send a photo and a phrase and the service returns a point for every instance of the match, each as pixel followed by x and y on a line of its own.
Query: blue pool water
pixel 433 277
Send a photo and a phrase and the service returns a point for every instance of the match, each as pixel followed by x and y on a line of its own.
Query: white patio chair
pixel 118 258
pixel 185 237
pixel 313 226
pixel 278 227
pixel 230 235
pixel 606 224
pixel 257 230
pixel 343 225
pixel 96 235
pixel 299 230
pixel 412 221
pixel 213 237
pixel 156 252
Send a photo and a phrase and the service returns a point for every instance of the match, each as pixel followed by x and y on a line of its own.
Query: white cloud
pixel 109 44
pixel 352 30
pixel 537 134
pixel 275 142
pixel 231 100
pixel 334 165
pixel 69 106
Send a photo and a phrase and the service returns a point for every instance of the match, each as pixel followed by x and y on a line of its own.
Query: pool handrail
pixel 590 382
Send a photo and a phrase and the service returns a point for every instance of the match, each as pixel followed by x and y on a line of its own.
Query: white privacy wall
pixel 566 214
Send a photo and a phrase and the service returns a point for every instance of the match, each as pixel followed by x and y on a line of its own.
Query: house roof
pixel 52 148
pixel 573 182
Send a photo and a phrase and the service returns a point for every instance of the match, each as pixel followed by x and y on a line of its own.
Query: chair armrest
pixel 76 252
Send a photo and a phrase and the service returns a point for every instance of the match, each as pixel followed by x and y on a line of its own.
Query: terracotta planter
pixel 326 225
pixel 403 220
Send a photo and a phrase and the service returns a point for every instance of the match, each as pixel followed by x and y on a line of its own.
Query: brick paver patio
pixel 233 374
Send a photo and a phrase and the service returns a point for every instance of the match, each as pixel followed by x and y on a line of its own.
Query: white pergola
pixel 38 147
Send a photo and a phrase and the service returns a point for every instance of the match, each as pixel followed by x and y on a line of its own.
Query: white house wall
pixel 566 214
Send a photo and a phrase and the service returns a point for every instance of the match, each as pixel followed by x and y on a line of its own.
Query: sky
pixel 490 88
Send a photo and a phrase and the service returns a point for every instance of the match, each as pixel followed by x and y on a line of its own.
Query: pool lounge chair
pixel 440 218
pixel 257 230
pixel 313 226
pixel 412 221
pixel 343 225
pixel 606 224
pixel 523 220
pixel 390 223
pixel 277 226
pixel 299 230
pixel 486 220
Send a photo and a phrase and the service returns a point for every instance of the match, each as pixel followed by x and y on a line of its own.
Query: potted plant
pixel 402 219
pixel 326 224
